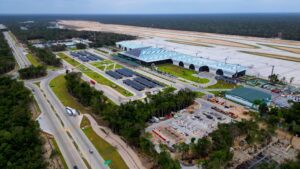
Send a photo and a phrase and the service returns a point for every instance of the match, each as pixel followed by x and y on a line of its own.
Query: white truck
pixel 71 112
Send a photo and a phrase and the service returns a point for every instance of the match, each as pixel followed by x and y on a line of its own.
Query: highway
pixel 68 150
pixel 50 105
pixel 18 51
pixel 71 125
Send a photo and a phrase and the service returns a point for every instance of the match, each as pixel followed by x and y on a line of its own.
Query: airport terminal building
pixel 148 55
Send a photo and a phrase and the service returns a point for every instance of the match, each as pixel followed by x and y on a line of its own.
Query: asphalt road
pixel 17 51
pixel 73 148
pixel 72 126
pixel 68 150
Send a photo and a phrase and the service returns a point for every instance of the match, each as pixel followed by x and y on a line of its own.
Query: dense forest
pixel 7 61
pixel 259 25
pixel 40 30
pixel 129 120
pixel 20 145
pixel 33 72
pixel 286 118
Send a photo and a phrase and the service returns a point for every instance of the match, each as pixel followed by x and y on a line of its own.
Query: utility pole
pixel 272 70
pixel 226 60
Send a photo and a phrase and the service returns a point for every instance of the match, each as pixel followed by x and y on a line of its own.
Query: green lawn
pixel 106 63
pixel 107 151
pixel 33 60
pixel 58 85
pixel 218 93
pixel 68 59
pixel 102 80
pixel 200 94
pixel 97 77
pixel 182 72
pixel 222 85
pixel 36 62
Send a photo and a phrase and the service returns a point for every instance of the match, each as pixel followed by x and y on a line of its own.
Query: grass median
pixel 33 60
pixel 58 86
pixel 107 151
pixel 182 72
pixel 93 75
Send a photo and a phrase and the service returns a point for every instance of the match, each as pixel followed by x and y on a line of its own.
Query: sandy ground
pixel 293 50
pixel 53 160
pixel 222 46
pixel 125 29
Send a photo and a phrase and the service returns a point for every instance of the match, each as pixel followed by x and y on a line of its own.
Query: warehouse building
pixel 151 55
pixel 248 96
pixel 2 28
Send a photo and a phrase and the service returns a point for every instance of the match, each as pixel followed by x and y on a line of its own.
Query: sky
pixel 147 6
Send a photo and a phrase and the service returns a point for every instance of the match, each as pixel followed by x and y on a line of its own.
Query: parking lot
pixel 134 80
pixel 124 77
pixel 85 56
pixel 184 126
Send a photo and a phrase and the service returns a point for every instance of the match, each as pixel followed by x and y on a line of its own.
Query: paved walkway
pixel 129 156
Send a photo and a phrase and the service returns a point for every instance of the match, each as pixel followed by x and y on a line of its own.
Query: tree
pixel 257 103
pixel 263 109
pixel 274 78
pixel 202 147
pixel 32 72
pixel 7 62
pixel 46 56
pixel 80 46
pixel 21 146
pixel 165 161
pixel 58 48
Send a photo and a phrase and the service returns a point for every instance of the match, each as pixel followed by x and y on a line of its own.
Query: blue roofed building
pixel 148 55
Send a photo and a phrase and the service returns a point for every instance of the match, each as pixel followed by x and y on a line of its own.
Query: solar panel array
pixel 145 82
pixel 125 72
pixel 85 56
pixel 134 84
pixel 114 74
pixel 139 82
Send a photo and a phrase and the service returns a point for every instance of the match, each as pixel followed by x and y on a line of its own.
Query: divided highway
pixel 68 150
pixel 18 51
pixel 71 125
pixel 72 142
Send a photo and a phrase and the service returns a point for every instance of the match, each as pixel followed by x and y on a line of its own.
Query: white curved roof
pixel 151 54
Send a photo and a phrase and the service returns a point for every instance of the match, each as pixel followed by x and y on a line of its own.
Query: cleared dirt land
pixel 282 57
pixel 152 32
pixel 289 49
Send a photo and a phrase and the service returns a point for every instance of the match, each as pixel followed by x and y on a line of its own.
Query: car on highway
pixel 91 151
